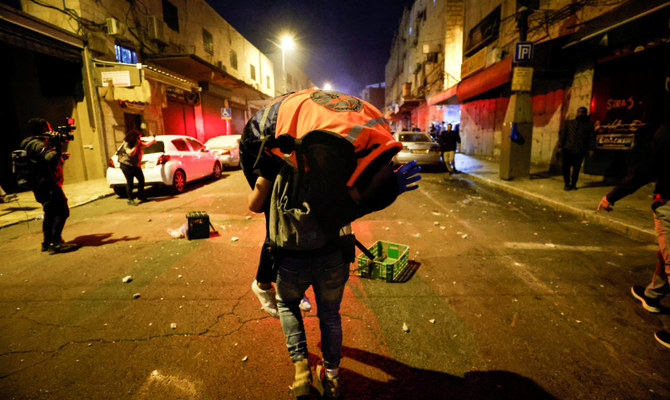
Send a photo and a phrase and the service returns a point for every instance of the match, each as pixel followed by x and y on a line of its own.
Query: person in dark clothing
pixel 575 140
pixel 653 166
pixel 45 152
pixel 266 273
pixel 449 141
pixel 130 160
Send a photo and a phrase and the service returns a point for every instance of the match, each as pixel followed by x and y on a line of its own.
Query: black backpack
pixel 24 169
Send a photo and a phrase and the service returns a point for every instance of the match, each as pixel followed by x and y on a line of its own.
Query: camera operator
pixel 44 148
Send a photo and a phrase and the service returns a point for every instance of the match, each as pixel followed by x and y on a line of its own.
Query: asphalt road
pixel 505 300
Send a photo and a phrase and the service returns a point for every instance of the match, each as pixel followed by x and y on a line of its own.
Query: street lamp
pixel 285 43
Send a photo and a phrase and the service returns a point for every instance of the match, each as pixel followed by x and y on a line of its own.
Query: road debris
pixel 127 279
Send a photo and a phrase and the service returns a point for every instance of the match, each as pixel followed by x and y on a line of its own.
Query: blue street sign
pixel 523 51
pixel 225 113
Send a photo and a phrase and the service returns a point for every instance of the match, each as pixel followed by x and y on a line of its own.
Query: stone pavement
pixel 631 216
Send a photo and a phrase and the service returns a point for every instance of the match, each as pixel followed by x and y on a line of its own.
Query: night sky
pixel 343 42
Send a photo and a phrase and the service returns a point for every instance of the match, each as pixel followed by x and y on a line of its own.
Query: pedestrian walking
pixel 653 165
pixel 575 140
pixel 449 142
pixel 130 159
pixel 315 194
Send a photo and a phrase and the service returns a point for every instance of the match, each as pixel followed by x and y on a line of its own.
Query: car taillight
pixel 110 163
pixel 164 158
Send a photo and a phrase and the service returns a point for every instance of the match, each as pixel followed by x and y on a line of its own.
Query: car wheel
pixel 120 191
pixel 216 173
pixel 179 181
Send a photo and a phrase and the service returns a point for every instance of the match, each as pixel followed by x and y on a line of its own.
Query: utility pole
pixel 517 136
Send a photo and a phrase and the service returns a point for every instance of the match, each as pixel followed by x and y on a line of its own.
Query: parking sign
pixel 523 51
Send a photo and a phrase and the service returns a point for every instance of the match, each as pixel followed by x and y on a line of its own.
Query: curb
pixel 37 218
pixel 631 231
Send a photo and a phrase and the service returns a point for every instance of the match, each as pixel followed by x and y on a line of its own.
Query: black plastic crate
pixel 198 225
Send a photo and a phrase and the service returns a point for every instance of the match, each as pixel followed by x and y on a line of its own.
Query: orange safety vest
pixel 355 120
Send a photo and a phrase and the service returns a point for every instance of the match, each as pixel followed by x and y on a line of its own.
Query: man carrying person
pixel 335 151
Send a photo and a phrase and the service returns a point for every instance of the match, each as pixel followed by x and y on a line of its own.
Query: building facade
pixel 164 66
pixel 425 59
pixel 605 56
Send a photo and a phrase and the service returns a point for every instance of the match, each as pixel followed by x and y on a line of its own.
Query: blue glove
pixel 406 175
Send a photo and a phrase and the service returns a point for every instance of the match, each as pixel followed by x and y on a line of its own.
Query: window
pixel 267 79
pixel 233 59
pixel 180 145
pixel 197 146
pixel 483 33
pixel 207 41
pixel 171 15
pixel 252 70
pixel 125 55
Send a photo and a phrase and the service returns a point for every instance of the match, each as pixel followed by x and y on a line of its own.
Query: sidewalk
pixel 25 208
pixel 631 215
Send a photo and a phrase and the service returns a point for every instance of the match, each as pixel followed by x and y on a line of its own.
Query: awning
pixel 198 69
pixel 136 94
pixel 624 14
pixel 491 77
pixel 444 97
pixel 170 79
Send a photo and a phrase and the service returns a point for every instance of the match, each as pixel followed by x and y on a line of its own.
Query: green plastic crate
pixel 390 260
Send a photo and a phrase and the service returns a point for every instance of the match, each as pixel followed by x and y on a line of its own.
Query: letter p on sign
pixel 523 51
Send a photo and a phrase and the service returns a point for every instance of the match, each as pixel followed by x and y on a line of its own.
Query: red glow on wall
pixel 179 119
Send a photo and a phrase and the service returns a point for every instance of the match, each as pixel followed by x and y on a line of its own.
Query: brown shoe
pixel 302 383
pixel 329 388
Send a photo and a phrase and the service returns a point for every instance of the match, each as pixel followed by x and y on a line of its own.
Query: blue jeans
pixel 327 275
pixel 659 286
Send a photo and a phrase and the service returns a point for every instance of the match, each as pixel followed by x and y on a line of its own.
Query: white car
pixel 418 146
pixel 171 161
pixel 227 147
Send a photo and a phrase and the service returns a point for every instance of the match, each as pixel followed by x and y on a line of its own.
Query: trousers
pixel 659 286
pixel 327 275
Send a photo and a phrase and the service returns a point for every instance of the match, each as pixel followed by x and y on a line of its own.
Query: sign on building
pixel 522 78
pixel 615 141
pixel 523 51
pixel 226 113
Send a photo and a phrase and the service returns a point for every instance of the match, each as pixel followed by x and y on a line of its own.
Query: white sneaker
pixel 267 299
pixel 305 305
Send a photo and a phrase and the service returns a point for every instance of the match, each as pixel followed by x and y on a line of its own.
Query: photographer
pixel 44 149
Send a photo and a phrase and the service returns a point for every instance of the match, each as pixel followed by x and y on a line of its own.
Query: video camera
pixel 63 133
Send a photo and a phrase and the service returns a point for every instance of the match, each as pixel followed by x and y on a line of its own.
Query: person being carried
pixel 130 159
pixel 318 189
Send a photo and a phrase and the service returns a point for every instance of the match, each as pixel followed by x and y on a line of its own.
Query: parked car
pixel 171 161
pixel 418 146
pixel 227 147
